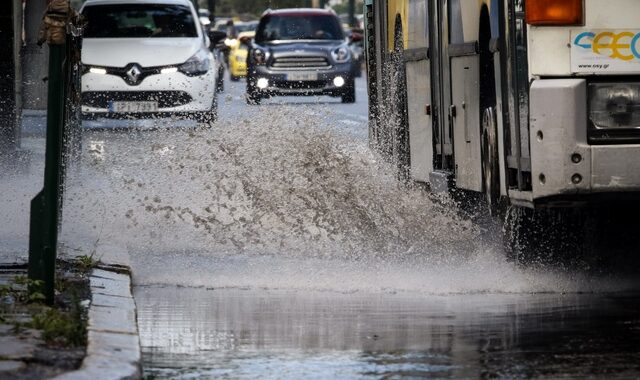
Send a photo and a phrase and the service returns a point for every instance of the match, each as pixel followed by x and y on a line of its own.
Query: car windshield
pixel 299 27
pixel 246 27
pixel 139 20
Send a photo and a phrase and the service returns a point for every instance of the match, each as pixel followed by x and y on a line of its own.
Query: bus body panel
pixel 418 70
pixel 615 168
pixel 397 8
pixel 500 125
pixel 420 134
pixel 559 102
pixel 466 125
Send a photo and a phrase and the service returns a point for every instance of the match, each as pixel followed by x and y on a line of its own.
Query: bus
pixel 533 105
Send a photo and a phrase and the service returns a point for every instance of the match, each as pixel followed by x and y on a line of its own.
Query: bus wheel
pixel 516 234
pixel 490 161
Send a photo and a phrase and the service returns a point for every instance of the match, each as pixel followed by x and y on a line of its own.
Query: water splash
pixel 280 201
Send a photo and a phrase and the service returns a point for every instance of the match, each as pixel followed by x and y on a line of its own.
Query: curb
pixel 113 341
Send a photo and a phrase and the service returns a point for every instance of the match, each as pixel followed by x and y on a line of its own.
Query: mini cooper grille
pixel 300 63
pixel 101 99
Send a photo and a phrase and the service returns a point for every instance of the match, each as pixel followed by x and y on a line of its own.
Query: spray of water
pixel 278 201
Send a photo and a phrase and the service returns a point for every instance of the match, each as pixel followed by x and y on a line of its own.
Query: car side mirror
pixel 356 37
pixel 216 36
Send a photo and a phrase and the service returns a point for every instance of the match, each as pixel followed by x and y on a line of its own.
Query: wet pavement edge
pixel 113 340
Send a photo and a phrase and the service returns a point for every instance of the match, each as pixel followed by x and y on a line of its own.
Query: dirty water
pixel 279 334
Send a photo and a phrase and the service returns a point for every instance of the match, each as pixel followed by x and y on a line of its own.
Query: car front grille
pixel 313 62
pixel 165 99
pixel 308 85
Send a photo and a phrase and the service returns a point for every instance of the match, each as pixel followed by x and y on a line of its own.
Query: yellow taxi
pixel 239 48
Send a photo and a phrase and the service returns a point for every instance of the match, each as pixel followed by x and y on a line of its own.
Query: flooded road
pixel 276 244
pixel 257 334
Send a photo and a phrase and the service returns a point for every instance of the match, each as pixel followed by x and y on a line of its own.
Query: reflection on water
pixel 236 333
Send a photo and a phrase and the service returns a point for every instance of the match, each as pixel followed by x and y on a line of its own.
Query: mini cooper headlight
pixel 259 56
pixel 341 54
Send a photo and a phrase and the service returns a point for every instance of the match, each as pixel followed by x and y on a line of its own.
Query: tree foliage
pixel 252 7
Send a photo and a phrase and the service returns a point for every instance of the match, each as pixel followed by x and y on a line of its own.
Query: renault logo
pixel 133 74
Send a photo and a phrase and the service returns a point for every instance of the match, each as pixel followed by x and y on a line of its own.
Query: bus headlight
pixel 614 105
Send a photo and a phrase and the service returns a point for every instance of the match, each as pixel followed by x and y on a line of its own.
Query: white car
pixel 147 58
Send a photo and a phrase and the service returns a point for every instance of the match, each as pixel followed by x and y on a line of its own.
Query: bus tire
pixel 515 234
pixel 546 237
pixel 490 160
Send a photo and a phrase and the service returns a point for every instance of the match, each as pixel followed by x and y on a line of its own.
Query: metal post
pixel 43 233
pixel 34 57
pixel 7 80
pixel 212 11
pixel 17 45
pixel 352 13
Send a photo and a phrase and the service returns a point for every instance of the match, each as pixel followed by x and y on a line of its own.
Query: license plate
pixel 302 76
pixel 125 107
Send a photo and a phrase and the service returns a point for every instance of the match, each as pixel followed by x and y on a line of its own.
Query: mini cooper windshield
pixel 298 27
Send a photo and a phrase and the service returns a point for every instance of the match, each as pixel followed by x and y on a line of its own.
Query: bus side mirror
pixel 216 36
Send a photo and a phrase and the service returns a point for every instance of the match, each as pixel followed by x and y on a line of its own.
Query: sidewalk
pixel 113 347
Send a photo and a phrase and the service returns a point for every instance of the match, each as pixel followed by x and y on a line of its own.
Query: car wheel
pixel 349 94
pixel 234 78
pixel 207 117
pixel 220 82
pixel 253 98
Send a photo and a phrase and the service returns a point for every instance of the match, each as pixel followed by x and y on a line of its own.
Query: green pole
pixel 352 11
pixel 43 234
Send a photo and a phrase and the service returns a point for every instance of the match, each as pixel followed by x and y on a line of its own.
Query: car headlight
pixel 197 65
pixel 614 105
pixel 341 54
pixel 259 56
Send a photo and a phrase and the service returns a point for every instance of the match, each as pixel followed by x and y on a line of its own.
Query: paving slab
pixel 103 367
pixel 123 303
pixel 16 348
pixel 123 347
pixel 111 287
pixel 11 366
pixel 113 320
pixel 105 274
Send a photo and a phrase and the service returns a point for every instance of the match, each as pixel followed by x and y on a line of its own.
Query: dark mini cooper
pixel 300 52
